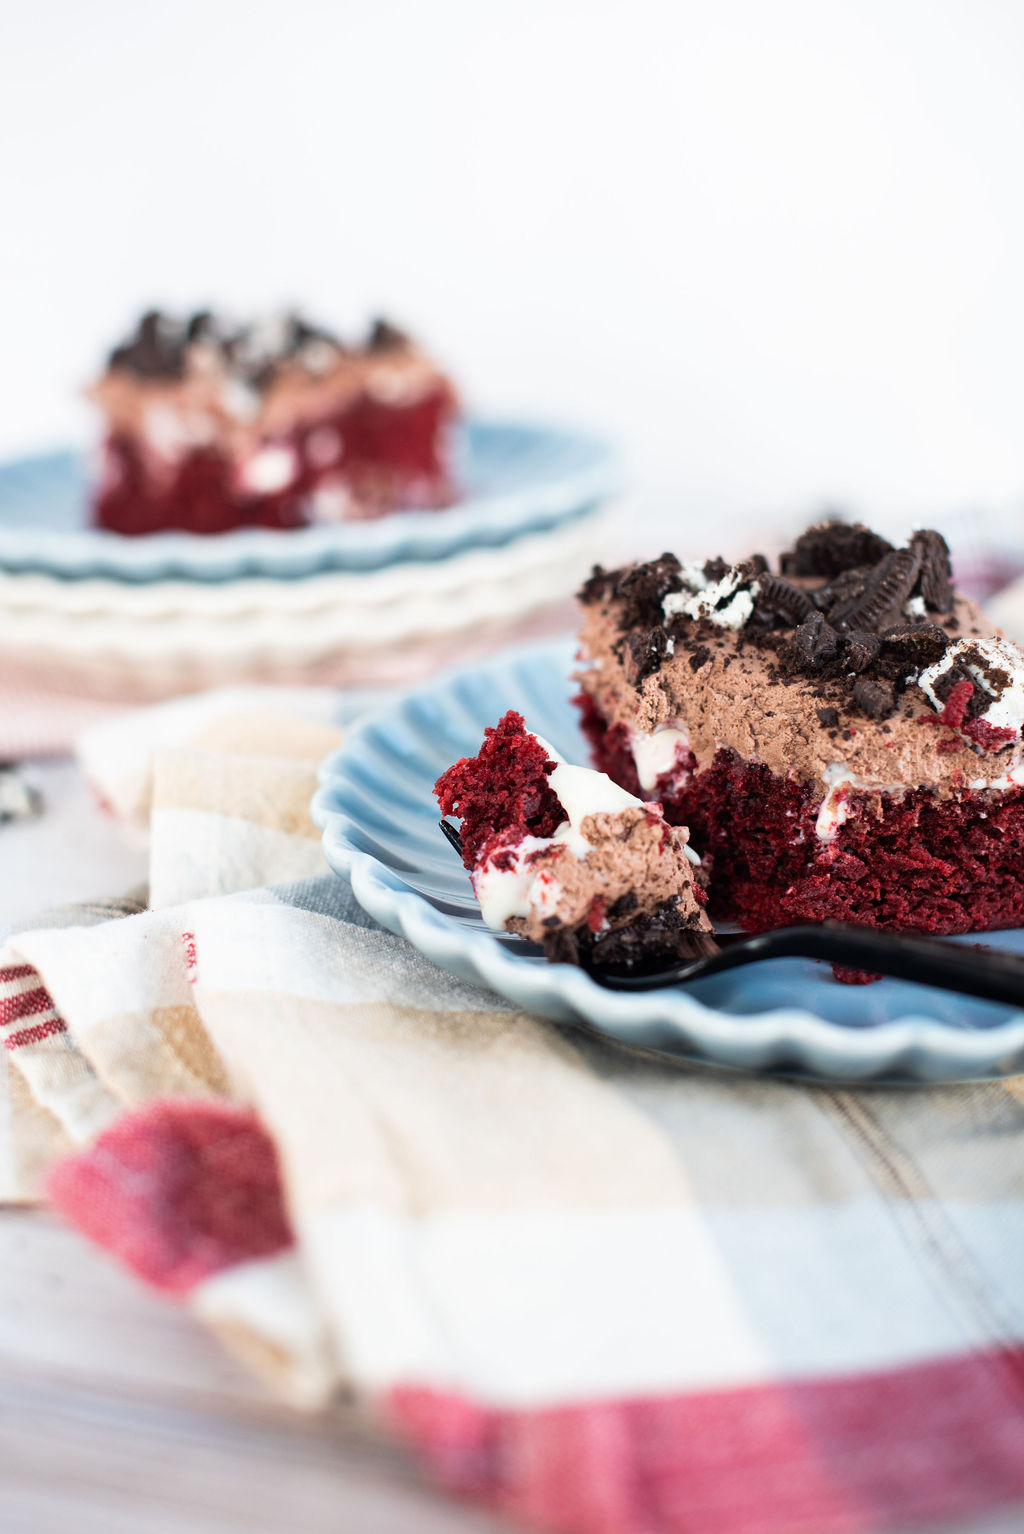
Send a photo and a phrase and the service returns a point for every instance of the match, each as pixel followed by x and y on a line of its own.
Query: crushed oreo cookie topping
pixel 723 594
pixel 779 601
pixel 815 643
pixel 164 346
pixel 830 548
pixel 664 937
pixel 861 649
pixel 936 572
pixel 639 589
pixel 643 654
pixel 885 593
pixel 157 349
pixel 875 699
pixel 385 337
pixel 915 645
pixel 857 617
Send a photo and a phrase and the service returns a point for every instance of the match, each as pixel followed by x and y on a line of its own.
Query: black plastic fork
pixel 973 971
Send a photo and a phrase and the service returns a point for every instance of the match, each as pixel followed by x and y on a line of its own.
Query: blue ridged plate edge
pixel 517 479
pixel 378 816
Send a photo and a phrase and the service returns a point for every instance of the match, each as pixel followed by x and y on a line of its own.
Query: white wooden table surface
pixel 118 1413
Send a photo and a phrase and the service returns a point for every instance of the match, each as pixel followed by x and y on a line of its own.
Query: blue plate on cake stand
pixel 379 818
pixel 516 479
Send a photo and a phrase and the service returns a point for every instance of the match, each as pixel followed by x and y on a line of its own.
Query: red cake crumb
pixel 847 976
pixel 597 914
pixel 955 710
pixel 502 794
pixel 990 737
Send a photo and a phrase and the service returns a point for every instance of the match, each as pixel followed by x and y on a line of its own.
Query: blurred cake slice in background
pixel 212 426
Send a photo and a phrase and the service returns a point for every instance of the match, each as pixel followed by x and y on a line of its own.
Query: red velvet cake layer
pixel 378 457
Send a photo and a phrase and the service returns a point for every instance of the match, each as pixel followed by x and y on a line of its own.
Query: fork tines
pixel 452 835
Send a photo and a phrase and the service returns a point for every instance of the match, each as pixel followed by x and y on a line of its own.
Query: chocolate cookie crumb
pixel 915 645
pixel 815 642
pixel 832 547
pixel 875 699
pixel 936 570
pixel 644 653
pixel 861 649
pixel 887 589
pixel 779 601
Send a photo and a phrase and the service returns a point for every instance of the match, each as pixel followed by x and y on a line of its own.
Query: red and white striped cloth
pixel 27 1013
pixel 606 1295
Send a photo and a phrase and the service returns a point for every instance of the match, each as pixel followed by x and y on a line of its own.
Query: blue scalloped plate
pixel 379 822
pixel 516 479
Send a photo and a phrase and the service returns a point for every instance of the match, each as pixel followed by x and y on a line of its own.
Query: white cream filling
pixel 656 753
pixel 1005 711
pixel 835 808
pixel 269 470
pixel 728 603
pixel 331 503
pixel 1012 778
pixel 581 791
pixel 505 892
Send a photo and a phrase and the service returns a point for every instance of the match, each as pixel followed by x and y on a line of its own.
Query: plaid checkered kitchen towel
pixel 607 1295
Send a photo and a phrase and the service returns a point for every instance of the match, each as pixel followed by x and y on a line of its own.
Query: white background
pixel 775 248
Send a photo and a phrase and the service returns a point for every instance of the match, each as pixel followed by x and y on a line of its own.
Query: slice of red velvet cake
pixel 843 738
pixel 211 426
pixel 563 856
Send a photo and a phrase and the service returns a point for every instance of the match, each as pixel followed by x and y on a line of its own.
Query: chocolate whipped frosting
pixel 228 386
pixel 634 864
pixel 815 674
